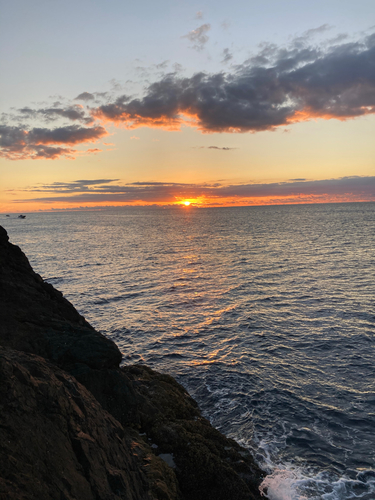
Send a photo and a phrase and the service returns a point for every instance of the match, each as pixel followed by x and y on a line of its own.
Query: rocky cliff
pixel 74 425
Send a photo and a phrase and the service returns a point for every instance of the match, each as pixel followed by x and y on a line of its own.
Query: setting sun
pixel 186 203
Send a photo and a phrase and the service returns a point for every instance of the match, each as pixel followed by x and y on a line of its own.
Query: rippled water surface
pixel 265 314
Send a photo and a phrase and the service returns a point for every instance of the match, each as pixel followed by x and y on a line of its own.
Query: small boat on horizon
pixel 22 216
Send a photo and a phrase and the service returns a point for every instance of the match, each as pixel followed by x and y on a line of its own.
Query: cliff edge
pixel 76 426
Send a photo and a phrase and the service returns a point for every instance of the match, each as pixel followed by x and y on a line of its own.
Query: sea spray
pixel 282 484
pixel 297 484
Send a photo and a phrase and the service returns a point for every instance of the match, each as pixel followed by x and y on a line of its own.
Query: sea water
pixel 265 314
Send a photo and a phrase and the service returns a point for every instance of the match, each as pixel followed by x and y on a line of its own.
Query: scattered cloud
pixel 216 147
pixel 198 36
pixel 277 87
pixel 95 96
pixel 71 187
pixel 18 143
pixel 301 40
pixel 115 85
pixel 93 151
pixel 162 65
pixel 227 56
pixel 85 96
pixel 177 68
pixel 317 31
pixel 73 112
pixel 293 191
pixel 338 38
pixel 199 15
pixel 134 137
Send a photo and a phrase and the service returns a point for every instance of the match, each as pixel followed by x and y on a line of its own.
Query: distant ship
pixel 22 216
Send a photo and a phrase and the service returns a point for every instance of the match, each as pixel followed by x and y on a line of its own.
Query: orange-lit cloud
pixel 277 87
pixel 110 192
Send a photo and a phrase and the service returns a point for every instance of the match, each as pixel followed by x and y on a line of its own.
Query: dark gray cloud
pixel 198 36
pixel 74 113
pixel 18 143
pixel 80 185
pixel 277 87
pixel 107 190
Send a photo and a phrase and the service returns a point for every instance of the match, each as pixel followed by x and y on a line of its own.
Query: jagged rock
pixel 208 465
pixel 57 442
pixel 43 399
pixel 36 318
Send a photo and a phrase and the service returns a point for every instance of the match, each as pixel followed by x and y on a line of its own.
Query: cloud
pixel 178 68
pixel 277 87
pixel 199 15
pixel 198 36
pixel 294 191
pixel 74 112
pixel 93 151
pixel 216 147
pixel 71 187
pixel 162 65
pixel 85 96
pixel 227 56
pixel 134 137
pixel 316 31
pixel 18 143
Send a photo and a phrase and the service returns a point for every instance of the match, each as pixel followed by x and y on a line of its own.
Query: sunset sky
pixel 219 103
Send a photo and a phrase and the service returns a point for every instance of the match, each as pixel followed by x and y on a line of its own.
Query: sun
pixel 187 203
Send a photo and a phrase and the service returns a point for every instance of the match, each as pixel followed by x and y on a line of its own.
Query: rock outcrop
pixel 74 425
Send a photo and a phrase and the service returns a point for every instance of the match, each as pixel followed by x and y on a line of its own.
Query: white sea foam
pixel 282 484
pixel 296 484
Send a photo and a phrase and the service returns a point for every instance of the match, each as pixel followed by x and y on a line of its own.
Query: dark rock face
pixel 208 465
pixel 36 318
pixel 128 433
pixel 58 442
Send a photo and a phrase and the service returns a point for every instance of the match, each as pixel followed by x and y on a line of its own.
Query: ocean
pixel 265 314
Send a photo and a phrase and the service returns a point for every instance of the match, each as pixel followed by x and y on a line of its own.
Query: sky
pixel 215 103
